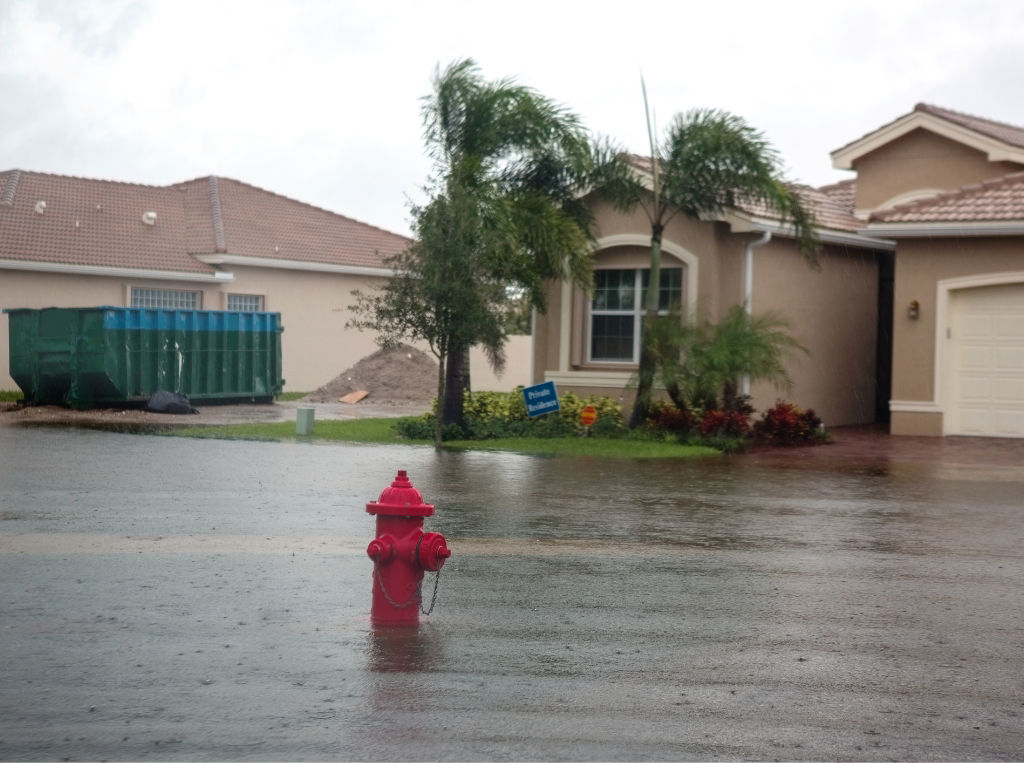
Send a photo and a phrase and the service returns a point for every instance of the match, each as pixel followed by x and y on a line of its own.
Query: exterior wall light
pixel 914 310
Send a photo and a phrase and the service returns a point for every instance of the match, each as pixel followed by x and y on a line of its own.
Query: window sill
pixel 612 378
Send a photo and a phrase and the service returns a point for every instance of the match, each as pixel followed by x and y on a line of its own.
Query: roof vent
pixel 40 207
pixel 149 218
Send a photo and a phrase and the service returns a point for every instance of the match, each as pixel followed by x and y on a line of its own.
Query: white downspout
pixel 748 288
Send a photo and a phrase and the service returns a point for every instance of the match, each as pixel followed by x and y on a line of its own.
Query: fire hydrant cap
pixel 400 499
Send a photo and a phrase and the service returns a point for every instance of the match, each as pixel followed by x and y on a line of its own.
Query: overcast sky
pixel 320 101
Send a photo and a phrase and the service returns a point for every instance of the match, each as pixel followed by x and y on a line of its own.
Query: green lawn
pixel 382 431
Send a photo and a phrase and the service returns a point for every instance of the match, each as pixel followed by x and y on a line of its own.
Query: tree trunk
pixel 456 385
pixel 648 355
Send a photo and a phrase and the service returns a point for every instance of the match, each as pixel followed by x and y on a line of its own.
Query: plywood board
pixel 353 397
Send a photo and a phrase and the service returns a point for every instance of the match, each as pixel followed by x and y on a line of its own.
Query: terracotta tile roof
pixel 843 193
pixel 832 204
pixel 258 223
pixel 997 200
pixel 99 223
pixel 92 222
pixel 832 207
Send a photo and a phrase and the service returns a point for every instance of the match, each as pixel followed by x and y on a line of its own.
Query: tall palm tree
pixel 707 162
pixel 516 162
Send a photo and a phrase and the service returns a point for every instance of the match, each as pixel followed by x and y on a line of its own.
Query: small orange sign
pixel 588 415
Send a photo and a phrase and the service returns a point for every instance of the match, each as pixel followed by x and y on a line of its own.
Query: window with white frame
pixel 168 299
pixel 245 303
pixel 617 311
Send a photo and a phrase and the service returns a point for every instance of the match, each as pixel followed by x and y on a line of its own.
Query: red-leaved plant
pixel 786 424
pixel 717 422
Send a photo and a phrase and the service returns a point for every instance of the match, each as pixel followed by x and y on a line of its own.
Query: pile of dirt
pixel 399 375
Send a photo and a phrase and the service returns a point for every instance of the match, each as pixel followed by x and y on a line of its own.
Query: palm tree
pixel 513 163
pixel 708 161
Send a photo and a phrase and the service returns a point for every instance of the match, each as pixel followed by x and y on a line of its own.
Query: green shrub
pixel 727 443
pixel 496 415
pixel 11 395
pixel 416 427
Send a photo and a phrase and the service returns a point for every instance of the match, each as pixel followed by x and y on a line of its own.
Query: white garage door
pixel 987 343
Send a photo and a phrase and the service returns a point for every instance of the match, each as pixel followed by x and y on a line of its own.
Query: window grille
pixel 245 303
pixel 169 299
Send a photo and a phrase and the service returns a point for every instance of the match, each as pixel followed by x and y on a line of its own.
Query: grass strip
pixel 382 431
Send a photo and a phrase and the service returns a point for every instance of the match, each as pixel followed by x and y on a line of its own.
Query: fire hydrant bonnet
pixel 400 499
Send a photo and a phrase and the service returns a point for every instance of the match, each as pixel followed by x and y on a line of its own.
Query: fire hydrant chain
pixel 417 595
pixel 433 598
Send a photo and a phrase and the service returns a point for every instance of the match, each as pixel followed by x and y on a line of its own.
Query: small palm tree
pixel 739 345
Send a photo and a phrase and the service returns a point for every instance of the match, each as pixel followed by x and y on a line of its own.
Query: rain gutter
pixel 220 276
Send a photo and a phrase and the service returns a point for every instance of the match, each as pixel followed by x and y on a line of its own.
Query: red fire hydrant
pixel 401 552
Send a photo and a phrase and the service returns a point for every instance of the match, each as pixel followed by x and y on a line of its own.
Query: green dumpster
pixel 89 357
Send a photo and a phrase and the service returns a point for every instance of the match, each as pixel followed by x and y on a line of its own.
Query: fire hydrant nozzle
pixel 401 552
pixel 381 549
pixel 431 551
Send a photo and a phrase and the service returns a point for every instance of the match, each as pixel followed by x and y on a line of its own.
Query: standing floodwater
pixel 163 598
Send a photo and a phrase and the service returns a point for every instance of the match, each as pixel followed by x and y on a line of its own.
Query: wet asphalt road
pixel 166 599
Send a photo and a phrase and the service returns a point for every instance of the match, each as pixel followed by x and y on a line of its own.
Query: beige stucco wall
pixel 314 309
pixel 517 366
pixel 832 311
pixel 920 265
pixel 909 163
pixel 916 424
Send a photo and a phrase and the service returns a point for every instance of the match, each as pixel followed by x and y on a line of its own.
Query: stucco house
pixel 948 188
pixel 210 243
pixel 916 312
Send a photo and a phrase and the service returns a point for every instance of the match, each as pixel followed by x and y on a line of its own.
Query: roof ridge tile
pixel 218 217
pixel 942 111
pixel 10 187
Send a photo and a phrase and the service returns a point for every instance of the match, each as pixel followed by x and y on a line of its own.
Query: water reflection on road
pixel 167 599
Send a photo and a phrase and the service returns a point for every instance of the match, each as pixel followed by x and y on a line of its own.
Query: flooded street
pixel 172 599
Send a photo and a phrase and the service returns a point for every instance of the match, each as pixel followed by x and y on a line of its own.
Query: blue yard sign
pixel 541 398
